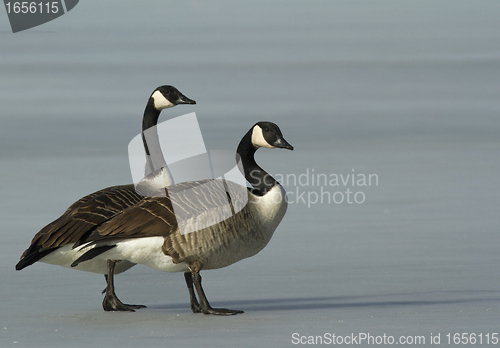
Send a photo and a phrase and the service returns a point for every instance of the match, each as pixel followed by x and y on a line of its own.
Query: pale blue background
pixel 407 90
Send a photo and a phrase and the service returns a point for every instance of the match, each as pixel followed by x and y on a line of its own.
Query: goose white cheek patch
pixel 160 101
pixel 258 138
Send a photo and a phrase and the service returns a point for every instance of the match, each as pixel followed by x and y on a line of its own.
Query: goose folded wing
pixel 161 216
pixel 199 203
pixel 151 217
pixel 79 220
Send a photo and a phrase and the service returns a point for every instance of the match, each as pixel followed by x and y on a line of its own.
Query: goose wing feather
pixel 161 216
pixel 78 220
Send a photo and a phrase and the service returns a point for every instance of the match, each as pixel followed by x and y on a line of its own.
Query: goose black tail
pixel 32 257
pixel 98 250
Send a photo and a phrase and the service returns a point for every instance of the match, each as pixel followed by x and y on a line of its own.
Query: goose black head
pixel 168 96
pixel 268 134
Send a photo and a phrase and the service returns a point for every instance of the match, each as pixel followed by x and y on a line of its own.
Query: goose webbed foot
pixel 111 301
pixel 221 311
pixel 203 306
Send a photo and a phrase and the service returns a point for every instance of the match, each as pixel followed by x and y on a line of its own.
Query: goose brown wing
pixel 161 216
pixel 78 220
pixel 151 217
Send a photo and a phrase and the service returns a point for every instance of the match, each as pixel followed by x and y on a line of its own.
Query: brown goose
pixel 54 243
pixel 182 232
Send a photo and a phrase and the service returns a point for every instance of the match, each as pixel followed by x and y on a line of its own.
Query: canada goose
pixel 149 233
pixel 54 243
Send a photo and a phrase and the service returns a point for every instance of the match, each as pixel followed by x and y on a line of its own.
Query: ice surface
pixel 408 91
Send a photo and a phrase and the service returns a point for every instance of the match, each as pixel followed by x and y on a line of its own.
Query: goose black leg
pixel 204 305
pixel 195 306
pixel 111 302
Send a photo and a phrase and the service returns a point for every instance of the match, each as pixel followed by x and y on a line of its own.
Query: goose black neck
pixel 154 156
pixel 255 175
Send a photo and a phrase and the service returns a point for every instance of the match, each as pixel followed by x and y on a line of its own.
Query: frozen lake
pixel 407 93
